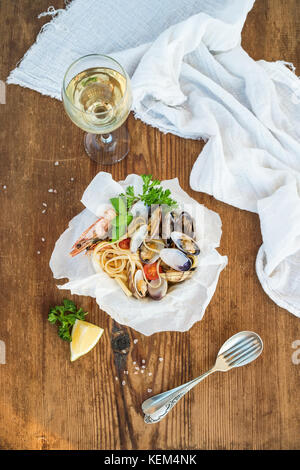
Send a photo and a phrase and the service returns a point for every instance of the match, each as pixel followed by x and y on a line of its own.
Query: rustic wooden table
pixel 46 402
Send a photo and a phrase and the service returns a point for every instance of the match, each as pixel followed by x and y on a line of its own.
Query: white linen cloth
pixel 184 304
pixel 195 80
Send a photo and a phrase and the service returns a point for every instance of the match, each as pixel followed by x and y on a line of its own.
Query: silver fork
pixel 237 351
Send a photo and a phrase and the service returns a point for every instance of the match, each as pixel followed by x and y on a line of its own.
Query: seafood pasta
pixel 144 248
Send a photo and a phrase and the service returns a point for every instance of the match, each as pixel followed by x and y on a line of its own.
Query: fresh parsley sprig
pixel 153 193
pixel 65 315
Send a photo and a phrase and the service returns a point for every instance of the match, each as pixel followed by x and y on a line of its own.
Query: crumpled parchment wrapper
pixel 185 302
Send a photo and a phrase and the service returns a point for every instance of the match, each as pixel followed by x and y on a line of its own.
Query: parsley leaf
pixel 65 315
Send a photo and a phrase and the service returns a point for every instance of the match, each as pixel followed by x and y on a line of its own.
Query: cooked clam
pixel 157 289
pixel 185 243
pixel 176 259
pixel 184 223
pixel 138 237
pixel 140 284
pixel 154 223
pixel 135 224
pixel 176 276
pixel 167 227
pixel 149 252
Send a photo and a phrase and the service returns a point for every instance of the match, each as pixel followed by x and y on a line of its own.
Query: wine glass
pixel 96 94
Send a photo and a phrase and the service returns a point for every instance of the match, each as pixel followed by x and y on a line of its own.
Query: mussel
pixel 157 289
pixel 185 243
pixel 149 252
pixel 176 259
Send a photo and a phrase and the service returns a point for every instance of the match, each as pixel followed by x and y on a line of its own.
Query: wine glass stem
pixel 106 138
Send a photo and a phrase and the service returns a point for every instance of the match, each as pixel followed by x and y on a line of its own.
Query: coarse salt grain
pixel 44 204
pixel 38 252
pixel 71 179
pixel 150 373
pixel 142 371
pixel 160 359
pixel 149 390
pixel 143 367
pixel 137 368
pixel 43 211
pixel 123 382
pixel 135 372
pixel 143 361
pixel 4 187
pixel 50 190
pixel 135 341
pixel 56 163
pixel 54 190
pixel 126 372
pixel 43 239
pixel 134 362
pixel 116 378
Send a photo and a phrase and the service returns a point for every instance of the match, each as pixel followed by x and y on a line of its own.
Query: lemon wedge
pixel 84 337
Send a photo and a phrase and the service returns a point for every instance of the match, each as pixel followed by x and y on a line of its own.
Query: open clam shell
pixel 176 259
pixel 140 284
pixel 185 243
pixel 157 289
pixel 137 238
pixel 176 276
pixel 184 223
pixel 149 252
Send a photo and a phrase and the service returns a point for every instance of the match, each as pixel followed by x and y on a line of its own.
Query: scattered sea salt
pixel 38 252
pixel 123 382
pixel 43 239
pixel 150 373
pixel 143 367
pixel 124 351
pixel 135 341
pixel 43 211
pixel 116 378
pixel 44 204
pixel 160 359
pixel 4 187
pixel 50 190
pixel 71 179
pixel 143 361
pixel 142 371
pixel 149 390
pixel 134 363
pixel 56 163
pixel 137 368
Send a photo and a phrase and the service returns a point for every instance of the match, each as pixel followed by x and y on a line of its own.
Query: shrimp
pixel 97 231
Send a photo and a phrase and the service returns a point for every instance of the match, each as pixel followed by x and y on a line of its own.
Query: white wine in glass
pixel 97 97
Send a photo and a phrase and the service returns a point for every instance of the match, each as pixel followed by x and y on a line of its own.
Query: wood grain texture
pixel 48 403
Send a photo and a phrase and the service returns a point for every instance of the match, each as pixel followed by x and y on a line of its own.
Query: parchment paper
pixel 185 302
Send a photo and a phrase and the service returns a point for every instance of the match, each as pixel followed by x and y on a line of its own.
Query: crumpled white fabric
pixel 195 80
pixel 184 304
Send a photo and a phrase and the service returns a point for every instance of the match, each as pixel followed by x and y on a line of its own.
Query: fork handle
pixel 157 407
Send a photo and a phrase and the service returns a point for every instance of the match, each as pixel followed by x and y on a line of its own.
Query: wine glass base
pixel 107 149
